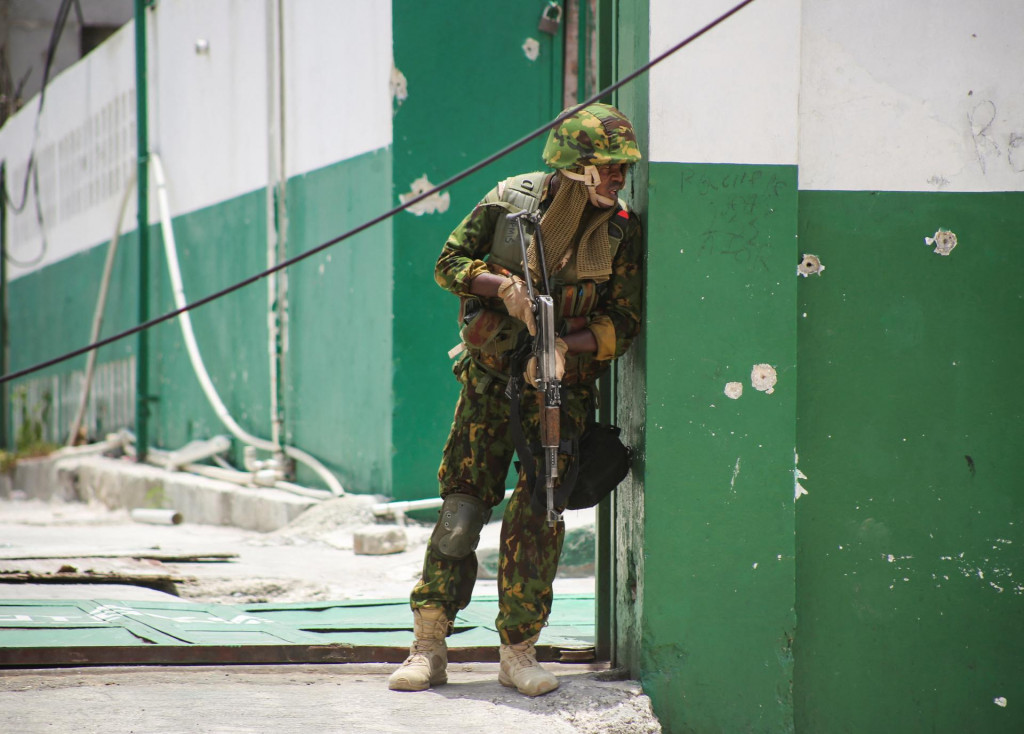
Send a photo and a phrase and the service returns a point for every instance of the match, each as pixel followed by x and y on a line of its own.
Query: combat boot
pixel 520 669
pixel 427 663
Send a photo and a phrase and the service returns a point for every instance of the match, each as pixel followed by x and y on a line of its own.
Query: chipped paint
pixel 399 88
pixel 809 265
pixel 735 473
pixel 991 572
pixel 531 47
pixel 763 378
pixel 734 390
pixel 798 489
pixel 944 241
pixel 999 701
pixel 436 202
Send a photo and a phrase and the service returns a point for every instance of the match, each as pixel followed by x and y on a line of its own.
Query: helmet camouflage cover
pixel 597 135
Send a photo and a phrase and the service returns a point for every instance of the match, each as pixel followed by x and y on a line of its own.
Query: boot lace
pixel 523 655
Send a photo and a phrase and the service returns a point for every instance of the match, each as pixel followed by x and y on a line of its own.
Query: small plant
pixel 7 461
pixel 31 438
pixel 155 497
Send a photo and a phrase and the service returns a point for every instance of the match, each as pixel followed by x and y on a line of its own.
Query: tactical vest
pixel 490 335
pixel 524 193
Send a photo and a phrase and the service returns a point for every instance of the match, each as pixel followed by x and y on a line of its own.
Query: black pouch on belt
pixel 603 462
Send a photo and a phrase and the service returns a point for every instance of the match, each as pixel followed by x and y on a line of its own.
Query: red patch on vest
pixel 623 213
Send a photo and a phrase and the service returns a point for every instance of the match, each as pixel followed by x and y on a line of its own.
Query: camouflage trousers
pixel 475 461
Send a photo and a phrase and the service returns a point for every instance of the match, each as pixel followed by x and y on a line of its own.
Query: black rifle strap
pixel 514 392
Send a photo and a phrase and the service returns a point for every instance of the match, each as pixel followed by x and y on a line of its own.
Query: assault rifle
pixel 549 384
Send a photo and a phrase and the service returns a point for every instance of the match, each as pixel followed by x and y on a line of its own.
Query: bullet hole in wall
pixel 809 265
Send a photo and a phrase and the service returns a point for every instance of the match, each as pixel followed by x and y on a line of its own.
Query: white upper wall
pixel 338 87
pixel 730 96
pixel 915 95
pixel 207 109
pixel 84 145
pixel 208 114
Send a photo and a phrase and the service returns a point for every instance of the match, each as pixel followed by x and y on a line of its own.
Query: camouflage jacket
pixel 612 310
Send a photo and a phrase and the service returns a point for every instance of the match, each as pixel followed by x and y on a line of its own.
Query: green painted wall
pixel 909 565
pixel 217 246
pixel 458 111
pixel 338 378
pixel 338 372
pixel 52 309
pixel 51 312
pixel 718 575
pixel 626 43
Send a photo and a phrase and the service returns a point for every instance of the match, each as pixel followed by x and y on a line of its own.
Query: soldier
pixel 592 248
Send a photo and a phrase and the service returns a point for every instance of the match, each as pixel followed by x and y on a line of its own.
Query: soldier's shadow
pixel 575 688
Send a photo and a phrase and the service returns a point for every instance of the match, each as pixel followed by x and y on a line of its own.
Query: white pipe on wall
pixel 188 335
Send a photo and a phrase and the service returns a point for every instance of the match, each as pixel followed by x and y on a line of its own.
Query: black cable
pixel 386 215
pixel 39 219
pixel 32 167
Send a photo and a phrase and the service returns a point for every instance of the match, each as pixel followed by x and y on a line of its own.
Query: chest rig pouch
pixel 516 194
pixel 491 331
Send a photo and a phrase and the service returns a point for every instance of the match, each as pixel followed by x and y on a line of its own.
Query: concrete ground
pixel 310 558
pixel 305 698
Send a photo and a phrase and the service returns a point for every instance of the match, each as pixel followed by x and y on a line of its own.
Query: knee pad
pixel 457 532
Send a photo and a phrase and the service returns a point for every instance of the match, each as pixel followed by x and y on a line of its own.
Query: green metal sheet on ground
pixel 111 632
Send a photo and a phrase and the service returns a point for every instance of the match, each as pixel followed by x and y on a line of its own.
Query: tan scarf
pixel 568 215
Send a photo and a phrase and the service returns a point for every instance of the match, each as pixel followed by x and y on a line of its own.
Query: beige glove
pixel 561 349
pixel 516 298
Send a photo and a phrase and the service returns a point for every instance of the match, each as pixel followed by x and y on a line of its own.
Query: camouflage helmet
pixel 597 135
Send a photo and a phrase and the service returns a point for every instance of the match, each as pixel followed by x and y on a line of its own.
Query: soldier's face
pixel 613 178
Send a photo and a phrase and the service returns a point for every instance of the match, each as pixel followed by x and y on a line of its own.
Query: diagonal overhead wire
pixel 391 212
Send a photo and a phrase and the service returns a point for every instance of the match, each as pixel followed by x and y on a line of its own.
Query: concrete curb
pixel 120 484
pixel 123 484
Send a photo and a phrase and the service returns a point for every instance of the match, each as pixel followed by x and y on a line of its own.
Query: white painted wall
pixel 208 110
pixel 208 116
pixel 915 95
pixel 338 94
pixel 84 142
pixel 730 96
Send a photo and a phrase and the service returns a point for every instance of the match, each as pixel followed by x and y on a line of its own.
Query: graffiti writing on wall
pixel 995 144
pixel 741 204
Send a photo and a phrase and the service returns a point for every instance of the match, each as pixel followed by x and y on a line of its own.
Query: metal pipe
pixel 401 507
pixel 113 441
pixel 154 516
pixel 97 319
pixel 246 479
pixel 191 452
pixel 277 216
pixel 142 151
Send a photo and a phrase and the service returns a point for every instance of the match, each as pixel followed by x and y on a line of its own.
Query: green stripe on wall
pixel 629 29
pixel 719 588
pixel 51 310
pixel 338 367
pixel 911 413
